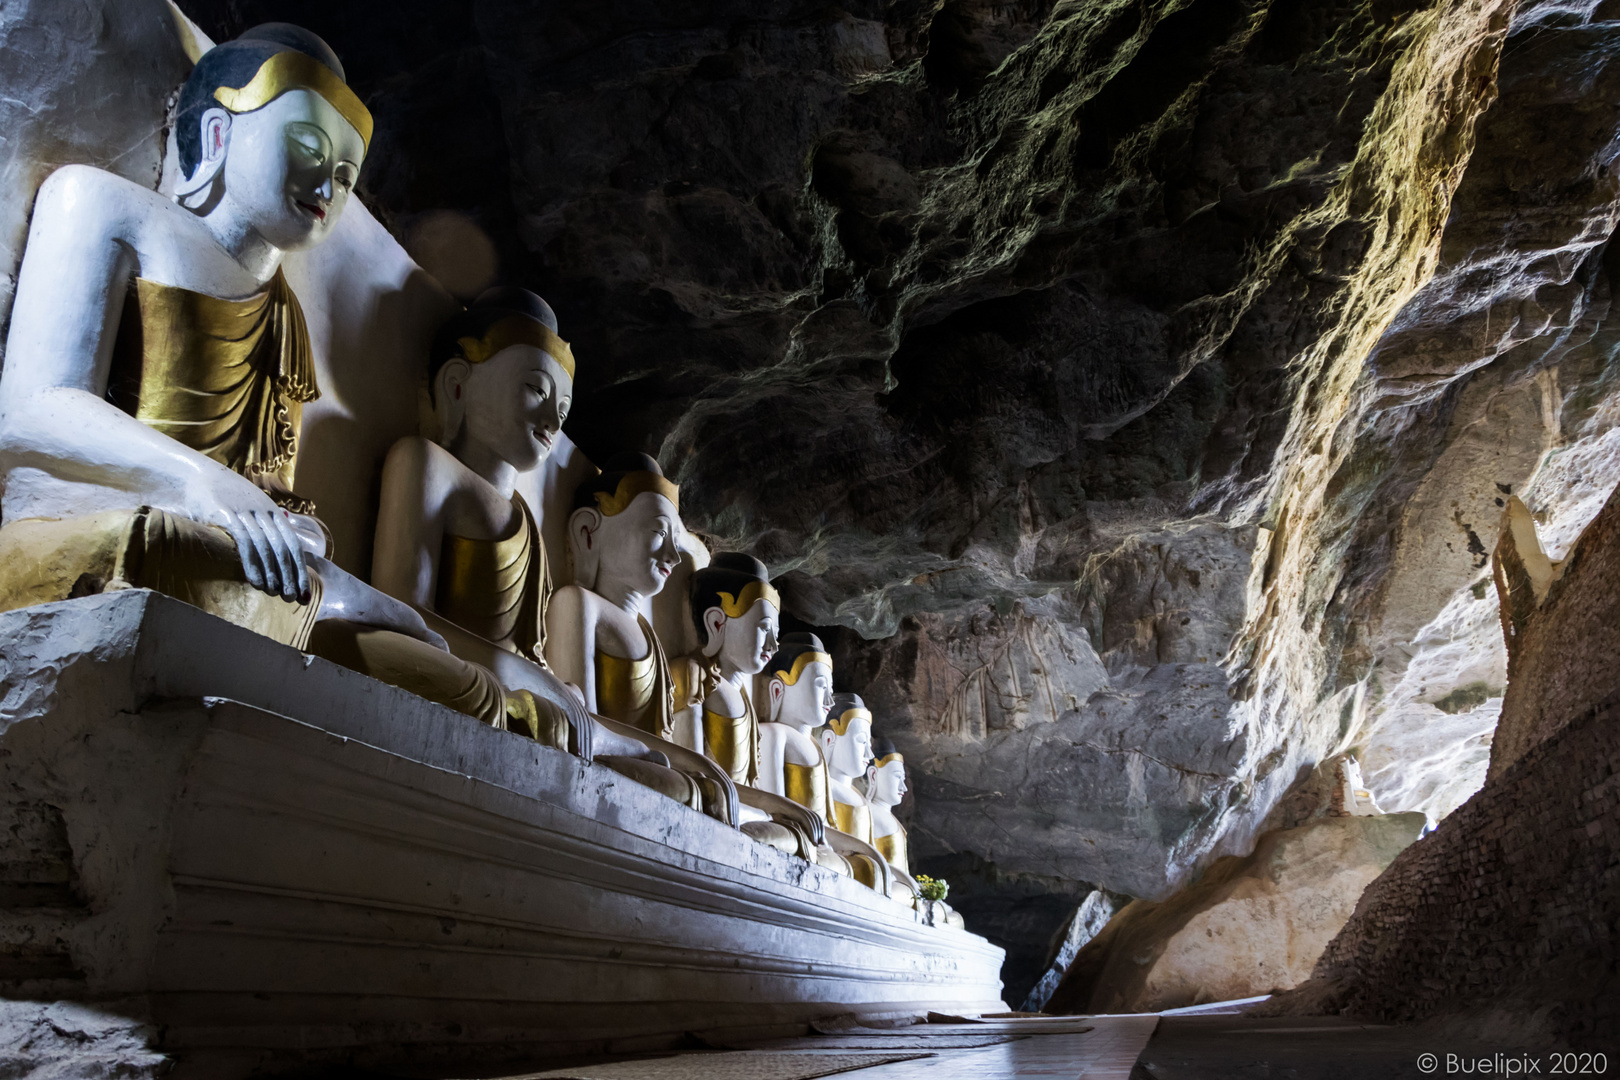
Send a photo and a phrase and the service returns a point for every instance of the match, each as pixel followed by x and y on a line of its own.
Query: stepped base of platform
pixel 270 858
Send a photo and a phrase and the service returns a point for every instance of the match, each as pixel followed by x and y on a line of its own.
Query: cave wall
pixel 1497 381
pixel 1123 386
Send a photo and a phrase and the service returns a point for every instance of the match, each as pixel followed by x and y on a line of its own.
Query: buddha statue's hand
pixel 272 554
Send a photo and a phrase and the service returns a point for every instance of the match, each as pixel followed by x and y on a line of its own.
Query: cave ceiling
pixel 1126 386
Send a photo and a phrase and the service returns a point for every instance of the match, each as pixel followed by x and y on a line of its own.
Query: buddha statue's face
pixel 515 403
pixel 747 642
pixel 288 168
pixel 887 785
pixel 851 751
pixel 638 548
pixel 804 704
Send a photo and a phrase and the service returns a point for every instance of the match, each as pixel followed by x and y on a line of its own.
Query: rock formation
pixel 1248 927
pixel 1131 385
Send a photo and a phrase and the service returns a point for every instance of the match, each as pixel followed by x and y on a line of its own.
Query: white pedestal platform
pixel 271 856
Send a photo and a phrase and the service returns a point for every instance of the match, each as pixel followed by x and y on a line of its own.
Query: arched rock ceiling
pixel 1131 380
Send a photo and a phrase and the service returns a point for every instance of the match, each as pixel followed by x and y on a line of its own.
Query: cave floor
pixel 1222 1046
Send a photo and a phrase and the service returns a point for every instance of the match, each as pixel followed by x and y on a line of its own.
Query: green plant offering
pixel 933 888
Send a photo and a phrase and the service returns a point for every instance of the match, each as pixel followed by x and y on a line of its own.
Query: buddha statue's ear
pixel 587 554
pixel 714 622
pixel 449 386
pixel 215 142
pixel 776 689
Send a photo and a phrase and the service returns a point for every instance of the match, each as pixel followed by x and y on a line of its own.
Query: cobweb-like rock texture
pixel 1126 382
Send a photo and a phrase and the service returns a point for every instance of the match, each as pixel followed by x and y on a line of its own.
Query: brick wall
pixel 1511 906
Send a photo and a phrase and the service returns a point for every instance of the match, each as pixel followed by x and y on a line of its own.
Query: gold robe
pixel 498 589
pixel 637 692
pixel 856 820
pixel 893 849
pixel 807 786
pixel 227 378
pixel 732 742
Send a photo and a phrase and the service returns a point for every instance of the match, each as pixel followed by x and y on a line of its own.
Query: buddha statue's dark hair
pixel 233 64
pixel 728 572
pixel 844 701
pixel 474 321
pixel 614 470
pixel 789 647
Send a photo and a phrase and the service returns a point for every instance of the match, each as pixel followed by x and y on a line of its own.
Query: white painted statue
pixel 845 741
pixel 623 539
pixel 455 540
pixel 884 787
pixel 799 687
pixel 624 543
pixel 1351 797
pixel 735 610
pixel 157 362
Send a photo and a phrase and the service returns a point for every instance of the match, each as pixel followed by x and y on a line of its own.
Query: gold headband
pixel 802 661
pixel 886 758
pixel 755 591
pixel 640 482
pixel 298 71
pixel 840 726
pixel 517 329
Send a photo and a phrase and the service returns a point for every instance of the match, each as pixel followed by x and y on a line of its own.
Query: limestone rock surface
pixel 1249 926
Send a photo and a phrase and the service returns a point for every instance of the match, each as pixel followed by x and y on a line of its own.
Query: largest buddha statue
pixel 158 363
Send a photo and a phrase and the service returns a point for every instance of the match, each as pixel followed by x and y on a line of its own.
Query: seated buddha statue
pixel 458 543
pixel 846 744
pixel 735 609
pixel 799 691
pixel 623 537
pixel 884 787
pixel 157 362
